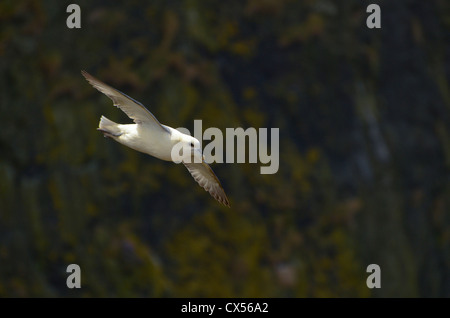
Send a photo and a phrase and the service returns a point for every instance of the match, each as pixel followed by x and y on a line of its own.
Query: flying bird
pixel 149 136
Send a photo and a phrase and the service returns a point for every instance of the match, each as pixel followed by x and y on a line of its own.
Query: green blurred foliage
pixel 364 150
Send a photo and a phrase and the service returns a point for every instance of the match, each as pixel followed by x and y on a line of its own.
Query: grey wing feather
pixel 134 109
pixel 206 178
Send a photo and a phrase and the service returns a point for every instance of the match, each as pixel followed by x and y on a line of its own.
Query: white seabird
pixel 149 136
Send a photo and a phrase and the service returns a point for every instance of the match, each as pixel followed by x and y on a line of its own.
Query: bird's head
pixel 191 148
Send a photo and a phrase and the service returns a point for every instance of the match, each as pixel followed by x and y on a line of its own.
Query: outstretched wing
pixel 128 105
pixel 206 178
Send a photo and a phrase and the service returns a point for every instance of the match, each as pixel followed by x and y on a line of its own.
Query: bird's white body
pixel 145 139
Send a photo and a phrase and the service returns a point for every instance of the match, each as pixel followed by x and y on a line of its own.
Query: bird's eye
pixel 192 144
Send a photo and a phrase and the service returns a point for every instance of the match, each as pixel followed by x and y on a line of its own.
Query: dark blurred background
pixel 364 177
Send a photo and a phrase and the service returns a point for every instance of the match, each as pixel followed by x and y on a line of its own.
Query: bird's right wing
pixel 207 179
pixel 128 105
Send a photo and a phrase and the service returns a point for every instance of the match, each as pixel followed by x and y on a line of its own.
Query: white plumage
pixel 149 136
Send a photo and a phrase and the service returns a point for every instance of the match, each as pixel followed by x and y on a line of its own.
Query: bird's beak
pixel 198 154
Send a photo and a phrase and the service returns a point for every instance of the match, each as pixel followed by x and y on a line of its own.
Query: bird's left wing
pixel 206 178
pixel 134 109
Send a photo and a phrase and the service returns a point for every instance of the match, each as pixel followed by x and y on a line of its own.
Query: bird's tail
pixel 109 128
